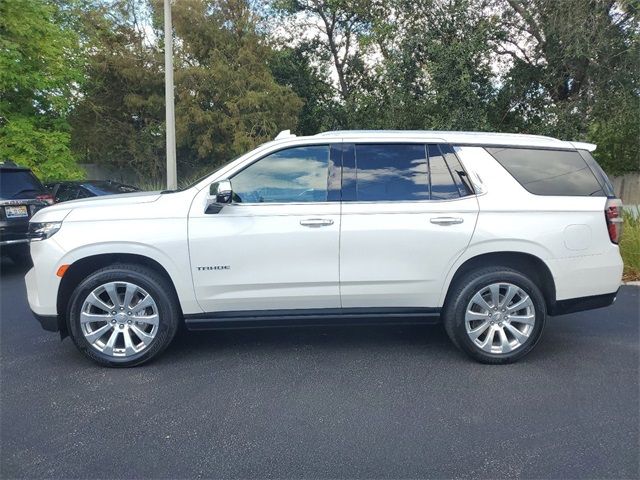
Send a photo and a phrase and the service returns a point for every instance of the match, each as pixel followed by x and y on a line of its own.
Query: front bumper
pixel 13 233
pixel 6 243
pixel 48 322
pixel 41 281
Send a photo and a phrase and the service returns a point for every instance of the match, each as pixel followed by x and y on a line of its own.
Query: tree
pixel 227 100
pixel 320 111
pixel 119 120
pixel 40 71
pixel 435 70
pixel 575 72
pixel 331 30
pixel 399 64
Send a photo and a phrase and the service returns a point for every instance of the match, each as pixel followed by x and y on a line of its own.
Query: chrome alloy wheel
pixel 500 318
pixel 119 319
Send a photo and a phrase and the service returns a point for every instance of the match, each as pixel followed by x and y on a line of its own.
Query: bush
pixel 630 245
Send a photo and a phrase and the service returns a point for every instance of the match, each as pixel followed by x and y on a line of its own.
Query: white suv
pixel 488 232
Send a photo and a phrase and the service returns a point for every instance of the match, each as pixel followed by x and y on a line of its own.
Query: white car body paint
pixel 376 254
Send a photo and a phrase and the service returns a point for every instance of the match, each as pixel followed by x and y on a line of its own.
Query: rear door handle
pixel 446 220
pixel 316 222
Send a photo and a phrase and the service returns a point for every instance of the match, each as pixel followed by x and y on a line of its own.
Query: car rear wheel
pixel 123 315
pixel 495 315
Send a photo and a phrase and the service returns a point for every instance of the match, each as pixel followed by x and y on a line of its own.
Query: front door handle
pixel 316 222
pixel 446 220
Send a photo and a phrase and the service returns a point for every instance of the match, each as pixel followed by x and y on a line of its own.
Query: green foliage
pixel 39 73
pixel 568 69
pixel 227 100
pixel 617 135
pixel 578 77
pixel 119 119
pixel 45 150
pixel 630 245
pixel 84 79
pixel 320 110
pixel 436 74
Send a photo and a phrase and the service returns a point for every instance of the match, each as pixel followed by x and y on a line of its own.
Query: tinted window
pixel 602 178
pixel 457 171
pixel 292 175
pixel 548 172
pixel 391 172
pixel 84 193
pixel 443 186
pixel 19 184
pixel 66 193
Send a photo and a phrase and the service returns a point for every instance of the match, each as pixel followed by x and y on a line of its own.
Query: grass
pixel 630 246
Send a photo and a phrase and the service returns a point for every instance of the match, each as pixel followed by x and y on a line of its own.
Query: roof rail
pixel 284 134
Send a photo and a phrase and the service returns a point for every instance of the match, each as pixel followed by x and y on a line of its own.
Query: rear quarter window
pixel 549 172
pixel 602 178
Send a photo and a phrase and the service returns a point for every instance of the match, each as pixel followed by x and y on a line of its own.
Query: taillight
pixel 613 216
pixel 47 197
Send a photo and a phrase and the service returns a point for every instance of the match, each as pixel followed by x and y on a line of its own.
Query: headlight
pixel 43 230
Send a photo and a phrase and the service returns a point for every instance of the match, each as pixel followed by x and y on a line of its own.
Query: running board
pixel 311 317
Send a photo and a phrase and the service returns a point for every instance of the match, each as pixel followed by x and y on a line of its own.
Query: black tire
pixel 149 280
pixel 461 294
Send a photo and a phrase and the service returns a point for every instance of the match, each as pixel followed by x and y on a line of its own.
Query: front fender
pixel 178 269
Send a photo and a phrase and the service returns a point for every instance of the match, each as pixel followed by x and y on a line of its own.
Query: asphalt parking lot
pixel 383 402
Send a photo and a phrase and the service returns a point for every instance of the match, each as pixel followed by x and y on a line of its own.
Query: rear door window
pixel 460 177
pixel 404 172
pixel 390 172
pixel 443 187
pixel 549 172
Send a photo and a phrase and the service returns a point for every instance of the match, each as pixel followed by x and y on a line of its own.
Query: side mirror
pixel 221 194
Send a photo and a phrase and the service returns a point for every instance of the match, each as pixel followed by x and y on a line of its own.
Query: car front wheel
pixel 123 315
pixel 495 315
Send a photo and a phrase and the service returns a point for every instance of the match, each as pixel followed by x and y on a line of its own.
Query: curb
pixel 635 283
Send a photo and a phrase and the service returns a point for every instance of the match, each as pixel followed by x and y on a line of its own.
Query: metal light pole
pixel 170 115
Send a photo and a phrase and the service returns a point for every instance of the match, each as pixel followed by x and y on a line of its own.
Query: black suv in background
pixel 21 195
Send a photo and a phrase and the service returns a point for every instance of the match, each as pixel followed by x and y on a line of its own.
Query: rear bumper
pixel 587 276
pixel 581 304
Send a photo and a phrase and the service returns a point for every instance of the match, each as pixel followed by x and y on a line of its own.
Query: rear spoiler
pixel 590 147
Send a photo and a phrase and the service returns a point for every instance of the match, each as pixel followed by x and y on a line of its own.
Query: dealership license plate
pixel 16 212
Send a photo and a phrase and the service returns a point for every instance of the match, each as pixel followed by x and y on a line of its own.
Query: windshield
pixel 19 184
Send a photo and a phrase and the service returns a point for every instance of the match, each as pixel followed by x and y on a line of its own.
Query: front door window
pixel 293 175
